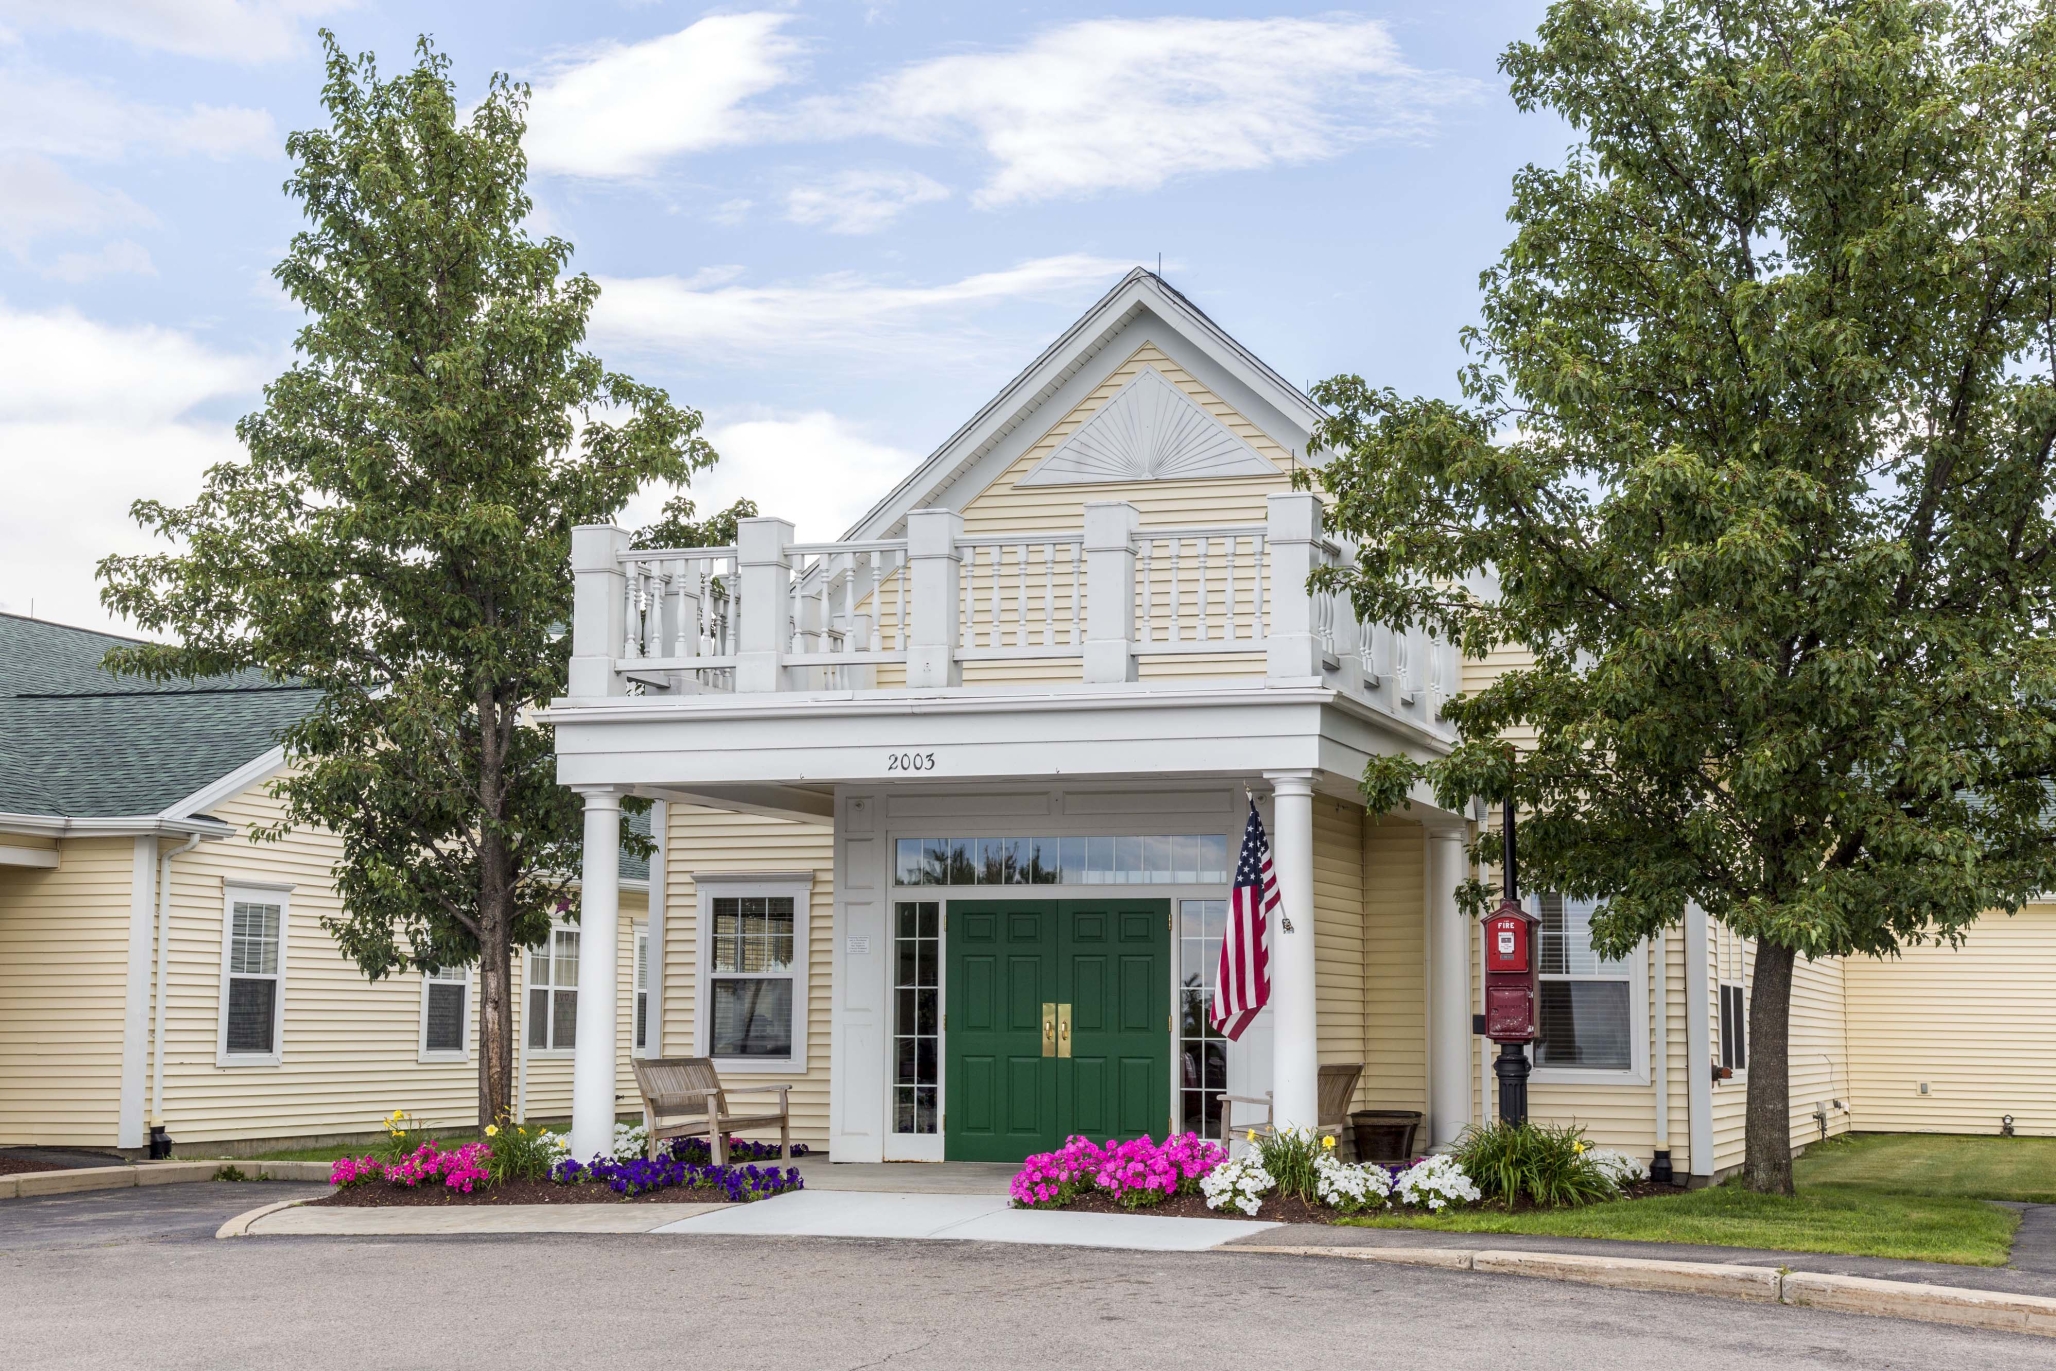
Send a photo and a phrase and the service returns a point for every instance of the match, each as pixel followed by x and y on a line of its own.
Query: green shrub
pixel 229 1172
pixel 1550 1165
pixel 519 1153
pixel 1289 1155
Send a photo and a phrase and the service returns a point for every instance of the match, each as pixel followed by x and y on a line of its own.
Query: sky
pixel 835 229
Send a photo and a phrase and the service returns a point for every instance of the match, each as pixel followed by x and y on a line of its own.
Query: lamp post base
pixel 1512 1070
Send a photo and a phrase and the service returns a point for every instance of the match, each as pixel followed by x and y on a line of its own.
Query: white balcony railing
pixel 770 614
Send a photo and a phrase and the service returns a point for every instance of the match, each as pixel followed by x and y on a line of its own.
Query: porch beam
pixel 1295 1041
pixel 771 800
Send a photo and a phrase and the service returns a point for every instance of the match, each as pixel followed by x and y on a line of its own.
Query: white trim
pixel 135 1019
pixel 1698 1047
pixel 422 1052
pixel 653 918
pixel 43 857
pixel 267 894
pixel 639 990
pixel 799 886
pixel 112 826
pixel 234 783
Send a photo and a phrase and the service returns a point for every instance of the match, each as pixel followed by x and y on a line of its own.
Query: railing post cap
pixel 933 532
pixel 597 547
pixel 1294 514
pixel 762 538
pixel 1110 525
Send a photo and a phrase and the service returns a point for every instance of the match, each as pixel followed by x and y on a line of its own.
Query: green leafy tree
pixel 676 527
pixel 400 534
pixel 1756 444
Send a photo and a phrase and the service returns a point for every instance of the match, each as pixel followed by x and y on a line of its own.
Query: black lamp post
pixel 1512 1066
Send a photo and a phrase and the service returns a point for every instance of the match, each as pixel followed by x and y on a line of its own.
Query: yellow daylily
pixel 1578 1147
pixel 1327 1142
pixel 1251 1135
pixel 492 1130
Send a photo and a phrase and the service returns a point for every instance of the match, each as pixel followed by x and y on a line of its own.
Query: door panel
pixel 1002 967
pixel 1109 961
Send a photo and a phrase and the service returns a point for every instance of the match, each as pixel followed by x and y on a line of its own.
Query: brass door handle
pixel 1063 1030
pixel 1049 1028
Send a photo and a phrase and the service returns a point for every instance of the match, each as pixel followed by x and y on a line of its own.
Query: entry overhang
pixel 970 734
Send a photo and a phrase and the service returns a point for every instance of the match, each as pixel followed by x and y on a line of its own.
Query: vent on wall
pixel 1149 431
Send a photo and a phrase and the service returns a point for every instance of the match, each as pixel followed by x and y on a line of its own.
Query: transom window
pixel 251 1012
pixel 1153 859
pixel 916 1014
pixel 553 992
pixel 753 976
pixel 1586 1004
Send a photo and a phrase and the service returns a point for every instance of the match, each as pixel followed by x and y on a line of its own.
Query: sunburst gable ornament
pixel 1149 431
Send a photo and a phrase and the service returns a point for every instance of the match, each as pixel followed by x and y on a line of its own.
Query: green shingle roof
pixel 80 742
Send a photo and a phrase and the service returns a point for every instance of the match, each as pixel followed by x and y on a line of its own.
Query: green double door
pixel 1057 1021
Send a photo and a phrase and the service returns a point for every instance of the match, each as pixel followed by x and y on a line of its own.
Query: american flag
pixel 1243 985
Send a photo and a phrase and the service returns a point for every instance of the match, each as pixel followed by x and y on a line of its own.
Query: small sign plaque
pixel 859 947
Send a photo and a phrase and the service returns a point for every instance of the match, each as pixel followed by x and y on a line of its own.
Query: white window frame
pixel 639 993
pixel 547 1053
pixel 1636 965
pixel 422 1052
pixel 253 892
pixel 1731 967
pixel 799 887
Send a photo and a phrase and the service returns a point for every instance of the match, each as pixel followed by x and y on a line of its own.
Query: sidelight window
pixel 1202 1064
pixel 916 1015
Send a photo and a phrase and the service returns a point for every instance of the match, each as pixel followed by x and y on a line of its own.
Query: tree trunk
pixel 1767 1156
pixel 495 1025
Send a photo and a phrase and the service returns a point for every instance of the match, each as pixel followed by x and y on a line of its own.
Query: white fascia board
pixel 771 801
pixel 234 783
pixel 1184 734
pixel 114 826
pixel 14 855
pixel 1139 290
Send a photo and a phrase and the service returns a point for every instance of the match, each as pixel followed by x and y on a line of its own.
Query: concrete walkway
pixel 907 1178
pixel 970 1218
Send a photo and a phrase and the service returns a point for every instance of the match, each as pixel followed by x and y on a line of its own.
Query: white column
pixel 1293 524
pixel 599 618
pixel 1449 990
pixel 1295 1048
pixel 599 985
pixel 766 570
pixel 935 568
pixel 1698 1046
pixel 660 834
pixel 1110 590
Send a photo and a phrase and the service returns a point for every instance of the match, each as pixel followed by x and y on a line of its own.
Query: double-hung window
pixel 1587 1002
pixel 753 939
pixel 553 992
pixel 1731 971
pixel 252 981
pixel 445 998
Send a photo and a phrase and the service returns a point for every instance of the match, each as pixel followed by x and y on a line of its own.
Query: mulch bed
pixel 12 1166
pixel 379 1195
pixel 1288 1208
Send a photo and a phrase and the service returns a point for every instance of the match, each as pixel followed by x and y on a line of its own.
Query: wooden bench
pixel 683 1097
pixel 1337 1089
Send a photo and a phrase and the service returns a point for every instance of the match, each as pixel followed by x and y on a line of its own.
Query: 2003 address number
pixel 910 761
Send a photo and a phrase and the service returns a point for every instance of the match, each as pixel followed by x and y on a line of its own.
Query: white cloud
pixel 37 197
pixel 93 417
pixel 120 258
pixel 844 313
pixel 624 110
pixel 814 468
pixel 239 30
pixel 1127 104
pixel 62 116
pixel 861 201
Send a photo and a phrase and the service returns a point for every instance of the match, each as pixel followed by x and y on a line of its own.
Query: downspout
pixel 1659 1049
pixel 163 979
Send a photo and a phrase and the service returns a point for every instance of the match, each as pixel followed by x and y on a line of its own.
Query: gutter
pixel 115 826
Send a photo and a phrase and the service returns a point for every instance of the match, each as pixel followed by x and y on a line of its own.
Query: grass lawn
pixel 1975 1167
pixel 1822 1218
pixel 1913 1196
